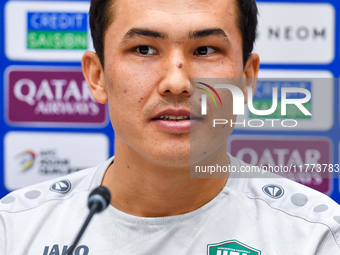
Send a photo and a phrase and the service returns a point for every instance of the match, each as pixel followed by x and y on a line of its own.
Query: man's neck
pixel 141 188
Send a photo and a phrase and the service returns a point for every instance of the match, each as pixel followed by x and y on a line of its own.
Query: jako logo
pixel 238 100
pixel 62 187
pixel 273 191
pixel 26 160
pixel 80 250
pixel 54 30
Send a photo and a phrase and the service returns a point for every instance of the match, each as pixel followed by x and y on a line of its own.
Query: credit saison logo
pixel 57 30
pixel 294 96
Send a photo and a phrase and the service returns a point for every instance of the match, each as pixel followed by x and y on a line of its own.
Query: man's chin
pixel 173 161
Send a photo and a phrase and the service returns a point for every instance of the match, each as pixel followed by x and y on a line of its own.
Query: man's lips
pixel 175 121
pixel 174 115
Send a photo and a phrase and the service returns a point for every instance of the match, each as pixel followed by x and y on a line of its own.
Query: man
pixel 146 53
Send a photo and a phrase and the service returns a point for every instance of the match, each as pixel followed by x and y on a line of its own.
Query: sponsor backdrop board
pixel 290 151
pixel 46 30
pixel 50 97
pixel 50 125
pixel 32 157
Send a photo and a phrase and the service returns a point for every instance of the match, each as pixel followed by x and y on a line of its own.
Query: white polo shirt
pixel 250 216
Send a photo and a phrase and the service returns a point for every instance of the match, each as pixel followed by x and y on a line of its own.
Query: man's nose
pixel 176 79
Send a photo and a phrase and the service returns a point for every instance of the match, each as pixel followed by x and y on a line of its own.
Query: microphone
pixel 98 201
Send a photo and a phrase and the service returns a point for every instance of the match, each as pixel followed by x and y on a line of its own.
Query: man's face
pixel 144 81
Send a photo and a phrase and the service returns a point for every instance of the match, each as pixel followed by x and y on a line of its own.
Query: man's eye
pixel 204 50
pixel 146 50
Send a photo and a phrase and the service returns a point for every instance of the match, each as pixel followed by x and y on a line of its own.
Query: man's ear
pixel 94 75
pixel 250 75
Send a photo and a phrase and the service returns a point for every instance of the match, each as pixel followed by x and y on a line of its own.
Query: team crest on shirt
pixel 62 187
pixel 231 247
pixel 273 191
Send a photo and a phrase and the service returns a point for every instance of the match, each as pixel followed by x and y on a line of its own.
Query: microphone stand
pixel 98 201
pixel 82 230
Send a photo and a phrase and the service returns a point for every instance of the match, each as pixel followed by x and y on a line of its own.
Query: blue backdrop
pixel 59 60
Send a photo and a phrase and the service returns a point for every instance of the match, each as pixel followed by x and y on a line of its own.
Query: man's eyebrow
pixel 135 32
pixel 208 32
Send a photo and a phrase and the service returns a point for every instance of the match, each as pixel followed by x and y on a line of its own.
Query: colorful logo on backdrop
pixel 46 162
pixel 231 247
pixel 57 30
pixel 263 99
pixel 33 157
pixel 26 160
pixel 51 96
pixel 307 161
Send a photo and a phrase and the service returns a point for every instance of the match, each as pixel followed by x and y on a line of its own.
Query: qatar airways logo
pixel 239 109
pixel 49 96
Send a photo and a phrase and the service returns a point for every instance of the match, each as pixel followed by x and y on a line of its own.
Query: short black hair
pixel 247 23
pixel 102 15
